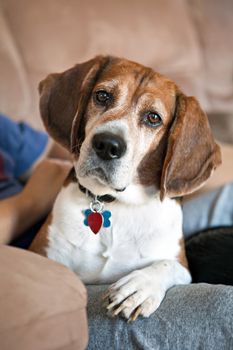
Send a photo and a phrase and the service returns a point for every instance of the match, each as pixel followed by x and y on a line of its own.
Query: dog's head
pixel 132 132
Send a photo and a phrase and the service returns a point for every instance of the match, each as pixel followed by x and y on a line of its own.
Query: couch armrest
pixel 42 303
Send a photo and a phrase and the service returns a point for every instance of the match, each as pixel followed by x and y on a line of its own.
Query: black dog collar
pixel 107 198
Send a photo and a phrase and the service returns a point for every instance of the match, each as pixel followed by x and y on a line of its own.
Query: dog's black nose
pixel 108 146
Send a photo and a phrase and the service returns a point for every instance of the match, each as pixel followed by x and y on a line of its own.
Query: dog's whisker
pixel 76 146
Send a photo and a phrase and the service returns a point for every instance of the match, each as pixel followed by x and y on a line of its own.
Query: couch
pixel 189 41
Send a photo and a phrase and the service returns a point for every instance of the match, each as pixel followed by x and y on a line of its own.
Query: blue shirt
pixel 20 147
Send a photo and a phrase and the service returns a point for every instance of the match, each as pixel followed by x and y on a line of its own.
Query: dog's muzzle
pixel 108 146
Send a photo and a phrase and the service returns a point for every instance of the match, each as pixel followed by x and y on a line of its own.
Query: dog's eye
pixel 152 119
pixel 103 97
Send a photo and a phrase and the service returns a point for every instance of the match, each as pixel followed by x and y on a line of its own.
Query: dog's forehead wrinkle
pixel 146 75
pixel 126 71
pixel 141 80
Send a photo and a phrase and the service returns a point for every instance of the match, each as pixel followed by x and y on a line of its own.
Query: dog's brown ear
pixel 63 100
pixel 192 154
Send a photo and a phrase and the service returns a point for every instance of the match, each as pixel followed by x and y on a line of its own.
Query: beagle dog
pixel 138 144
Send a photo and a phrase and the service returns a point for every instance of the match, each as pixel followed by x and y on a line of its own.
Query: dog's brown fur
pixel 41 240
pixel 168 163
pixel 182 154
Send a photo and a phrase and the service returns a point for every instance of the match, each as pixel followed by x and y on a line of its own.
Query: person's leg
pixel 207 210
pixel 190 317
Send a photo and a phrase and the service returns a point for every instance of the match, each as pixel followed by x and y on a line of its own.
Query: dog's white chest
pixel 138 235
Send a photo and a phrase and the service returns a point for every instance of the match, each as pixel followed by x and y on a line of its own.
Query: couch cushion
pixel 54 35
pixel 42 303
pixel 15 95
pixel 214 25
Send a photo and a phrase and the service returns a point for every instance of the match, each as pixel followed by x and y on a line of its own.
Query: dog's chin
pixel 132 194
pixel 97 185
pixel 97 182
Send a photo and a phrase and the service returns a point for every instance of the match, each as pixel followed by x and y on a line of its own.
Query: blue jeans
pixel 191 317
pixel 210 209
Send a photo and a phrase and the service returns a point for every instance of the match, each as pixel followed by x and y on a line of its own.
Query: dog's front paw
pixel 135 294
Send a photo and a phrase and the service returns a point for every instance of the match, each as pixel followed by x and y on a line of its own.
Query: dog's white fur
pixel 141 244
pixel 142 252
pixel 139 252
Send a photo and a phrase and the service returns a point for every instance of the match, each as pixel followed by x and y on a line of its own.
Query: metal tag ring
pixel 96 206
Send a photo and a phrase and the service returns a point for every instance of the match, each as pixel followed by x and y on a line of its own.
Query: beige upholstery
pixel 42 304
pixel 188 40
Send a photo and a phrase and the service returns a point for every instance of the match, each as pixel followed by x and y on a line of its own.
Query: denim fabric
pixel 211 209
pixel 191 317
